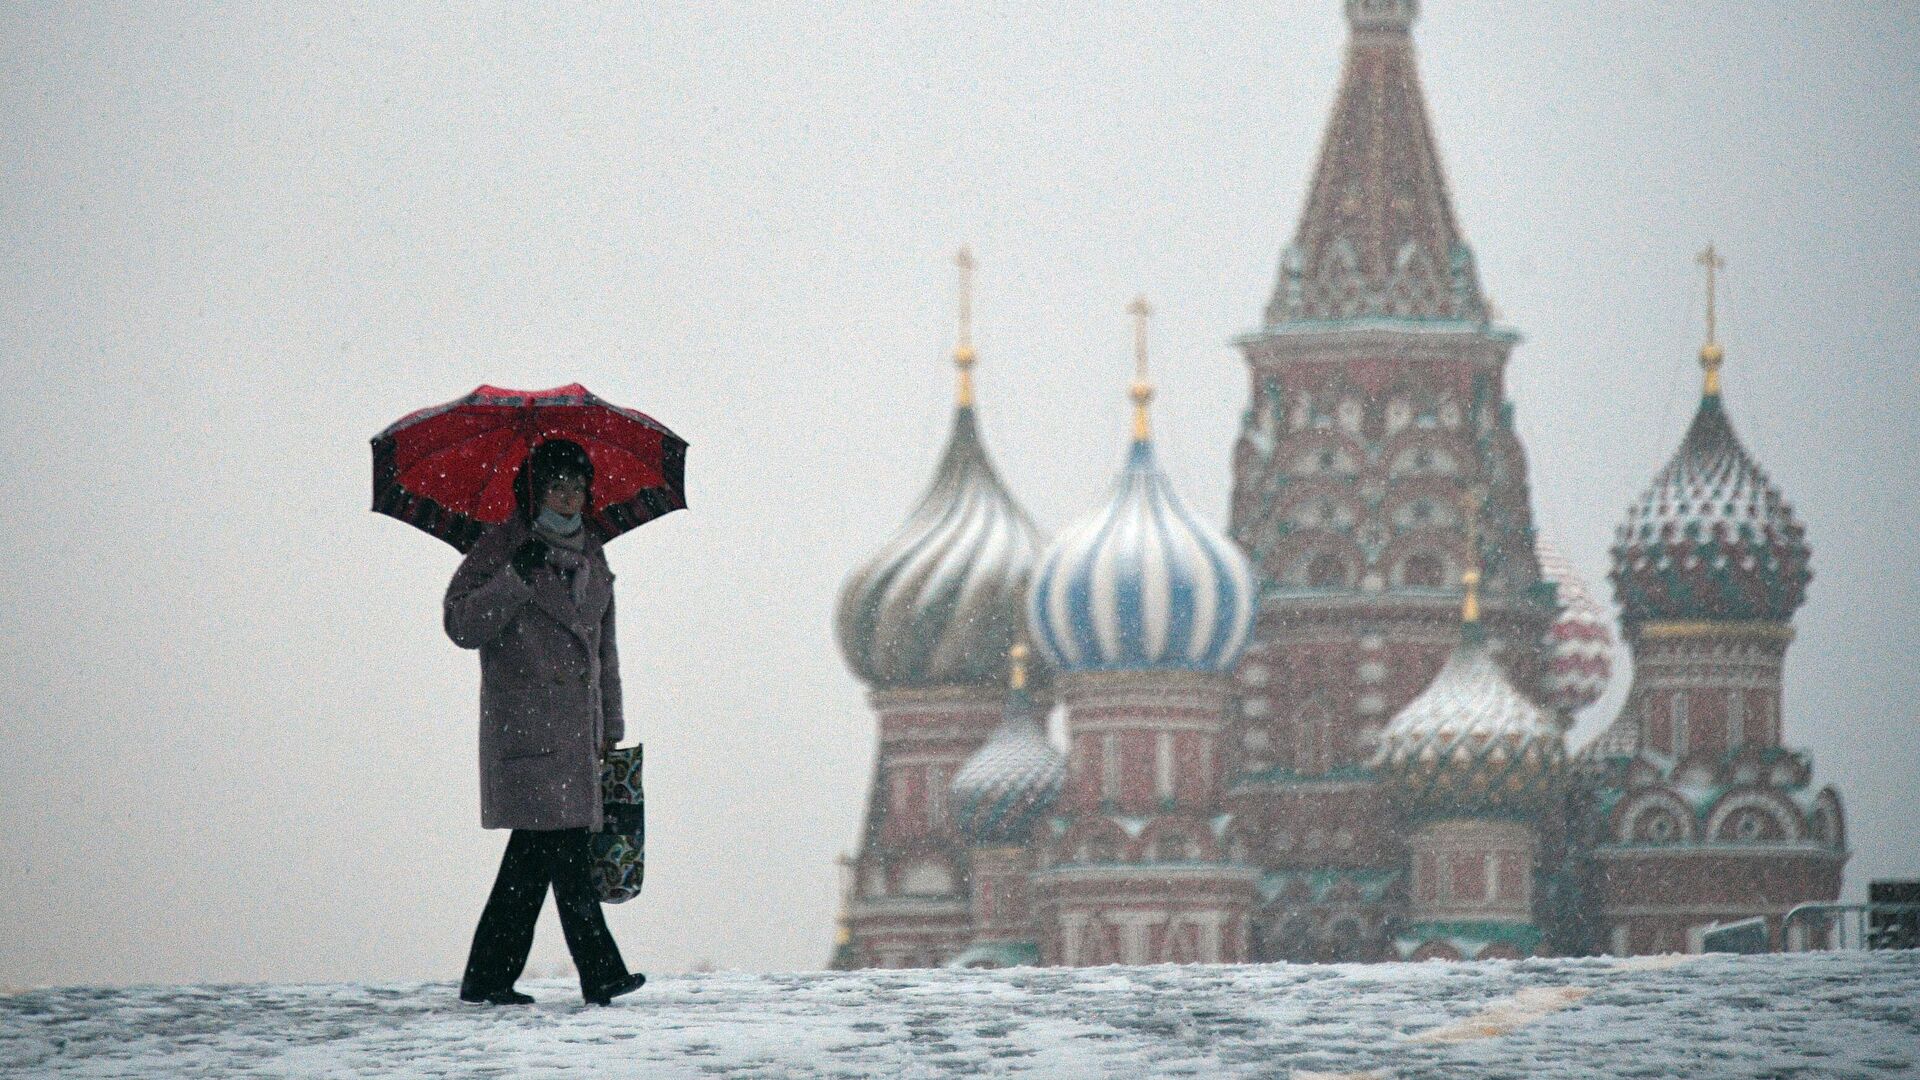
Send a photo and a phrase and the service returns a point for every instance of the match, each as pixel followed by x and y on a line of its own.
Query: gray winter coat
pixel 549 682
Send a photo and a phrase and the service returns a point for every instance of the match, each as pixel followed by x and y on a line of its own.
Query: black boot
pixel 606 994
pixel 509 996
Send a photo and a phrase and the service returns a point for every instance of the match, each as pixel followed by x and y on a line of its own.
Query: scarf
pixel 566 553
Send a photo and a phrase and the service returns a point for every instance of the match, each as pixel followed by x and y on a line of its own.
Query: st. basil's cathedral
pixel 1335 729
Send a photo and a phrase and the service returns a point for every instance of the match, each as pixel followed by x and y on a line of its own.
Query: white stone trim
pixel 1163 764
pixel 1166 873
pixel 916 907
pixel 1073 925
pixel 1699 850
pixel 1745 911
pixel 1126 722
pixel 1109 766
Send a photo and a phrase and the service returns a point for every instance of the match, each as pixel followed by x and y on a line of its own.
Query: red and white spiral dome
pixel 1580 643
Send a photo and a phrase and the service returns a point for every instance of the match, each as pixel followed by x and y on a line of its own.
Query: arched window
pixel 926 878
pixel 1423 571
pixel 936 796
pixel 1352 413
pixel 1326 572
pixel 897 792
pixel 1310 740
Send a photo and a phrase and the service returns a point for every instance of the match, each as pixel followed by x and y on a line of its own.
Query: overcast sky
pixel 234 743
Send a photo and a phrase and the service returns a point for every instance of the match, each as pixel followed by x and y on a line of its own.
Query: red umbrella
pixel 449 469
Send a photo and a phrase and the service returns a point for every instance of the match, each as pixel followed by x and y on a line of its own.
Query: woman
pixel 535 596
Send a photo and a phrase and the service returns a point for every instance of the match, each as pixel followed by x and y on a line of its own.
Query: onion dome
pixel 1712 538
pixel 940 604
pixel 1580 642
pixel 1471 741
pixel 1143 583
pixel 1012 780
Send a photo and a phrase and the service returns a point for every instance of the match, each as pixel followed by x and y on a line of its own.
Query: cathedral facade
pixel 1335 729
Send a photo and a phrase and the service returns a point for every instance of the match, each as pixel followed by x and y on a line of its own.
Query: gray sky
pixel 234 743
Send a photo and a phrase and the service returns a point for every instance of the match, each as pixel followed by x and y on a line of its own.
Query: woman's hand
pixel 606 747
pixel 529 558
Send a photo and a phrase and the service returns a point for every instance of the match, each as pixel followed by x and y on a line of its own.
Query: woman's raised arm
pixel 485 593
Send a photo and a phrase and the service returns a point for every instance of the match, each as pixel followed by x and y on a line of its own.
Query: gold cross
pixel 964 260
pixel 1710 353
pixel 1471 501
pixel 1713 262
pixel 1142 389
pixel 963 352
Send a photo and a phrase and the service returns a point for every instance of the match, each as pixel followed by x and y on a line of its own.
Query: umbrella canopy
pixel 449 469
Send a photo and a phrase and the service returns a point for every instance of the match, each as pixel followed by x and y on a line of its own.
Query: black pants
pixel 535 859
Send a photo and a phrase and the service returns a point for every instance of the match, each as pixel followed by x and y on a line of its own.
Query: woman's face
pixel 564 495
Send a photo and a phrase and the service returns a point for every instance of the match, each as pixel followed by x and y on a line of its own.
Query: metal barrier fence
pixel 1826 927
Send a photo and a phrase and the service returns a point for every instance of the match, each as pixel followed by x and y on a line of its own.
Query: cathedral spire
pixel 963 357
pixel 1382 14
pixel 1141 391
pixel 1470 627
pixel 1378 237
pixel 1711 354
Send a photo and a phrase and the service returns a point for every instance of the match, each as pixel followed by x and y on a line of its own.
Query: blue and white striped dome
pixel 1142 584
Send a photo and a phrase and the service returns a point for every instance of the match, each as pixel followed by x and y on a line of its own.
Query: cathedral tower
pixel 1377 398
pixel 1142 607
pixel 1696 810
pixel 927 624
pixel 1003 791
pixel 1475 769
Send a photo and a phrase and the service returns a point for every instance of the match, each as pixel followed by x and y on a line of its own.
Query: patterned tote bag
pixel 620 847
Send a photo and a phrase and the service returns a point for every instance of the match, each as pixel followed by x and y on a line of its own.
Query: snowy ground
pixel 1816 1016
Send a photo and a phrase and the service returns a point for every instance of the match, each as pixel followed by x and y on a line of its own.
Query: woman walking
pixel 535 596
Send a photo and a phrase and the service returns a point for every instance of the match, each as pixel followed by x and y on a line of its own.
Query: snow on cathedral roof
pixel 1471 740
pixel 1013 779
pixel 1711 538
